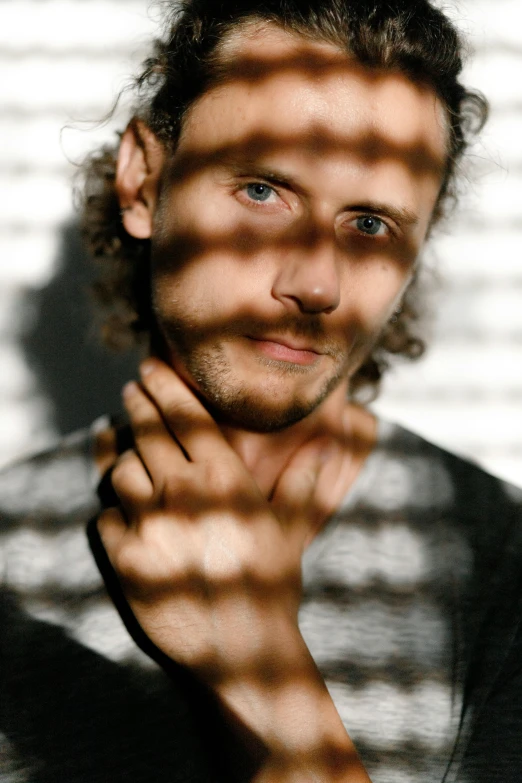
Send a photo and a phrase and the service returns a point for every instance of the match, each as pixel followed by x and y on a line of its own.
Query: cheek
pixel 375 295
pixel 208 288
pixel 206 237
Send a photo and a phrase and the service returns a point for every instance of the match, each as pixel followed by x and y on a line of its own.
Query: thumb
pixel 294 499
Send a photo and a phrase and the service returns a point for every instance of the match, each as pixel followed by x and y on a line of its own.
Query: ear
pixel 138 171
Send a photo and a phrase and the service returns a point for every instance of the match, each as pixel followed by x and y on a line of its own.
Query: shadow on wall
pixel 81 379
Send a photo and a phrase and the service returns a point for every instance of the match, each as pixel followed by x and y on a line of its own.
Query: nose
pixel 308 277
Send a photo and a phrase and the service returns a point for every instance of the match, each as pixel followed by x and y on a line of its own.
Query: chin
pixel 255 411
pixel 247 415
pixel 265 398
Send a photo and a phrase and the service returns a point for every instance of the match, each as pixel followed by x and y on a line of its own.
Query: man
pixel 332 597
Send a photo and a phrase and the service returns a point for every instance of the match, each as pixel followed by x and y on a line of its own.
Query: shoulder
pixel 431 477
pixel 470 525
pixel 466 523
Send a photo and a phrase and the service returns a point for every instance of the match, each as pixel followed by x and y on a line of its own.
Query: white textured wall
pixel 63 61
pixel 467 393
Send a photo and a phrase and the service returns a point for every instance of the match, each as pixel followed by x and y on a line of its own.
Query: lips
pixel 282 349
pixel 294 345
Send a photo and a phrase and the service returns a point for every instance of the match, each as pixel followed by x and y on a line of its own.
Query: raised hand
pixel 211 569
pixel 212 572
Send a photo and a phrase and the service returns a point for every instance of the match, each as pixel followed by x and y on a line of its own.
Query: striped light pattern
pixel 63 62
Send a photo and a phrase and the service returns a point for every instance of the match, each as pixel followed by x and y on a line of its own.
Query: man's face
pixel 289 224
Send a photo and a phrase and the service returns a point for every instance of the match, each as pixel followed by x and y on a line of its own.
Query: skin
pixel 284 231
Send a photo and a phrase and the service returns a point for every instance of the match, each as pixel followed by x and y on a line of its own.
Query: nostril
pixel 309 281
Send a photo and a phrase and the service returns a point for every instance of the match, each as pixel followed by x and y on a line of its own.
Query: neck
pixel 351 428
pixel 353 433
pixel 266 454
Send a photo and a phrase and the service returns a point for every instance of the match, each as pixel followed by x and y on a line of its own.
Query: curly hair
pixel 407 36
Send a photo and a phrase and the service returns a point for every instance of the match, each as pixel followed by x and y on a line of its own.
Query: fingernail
pixel 148 366
pixel 325 450
pixel 129 390
pixel 326 454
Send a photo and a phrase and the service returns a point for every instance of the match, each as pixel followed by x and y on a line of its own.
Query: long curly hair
pixel 409 36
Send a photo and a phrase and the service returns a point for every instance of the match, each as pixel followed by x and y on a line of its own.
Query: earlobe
pixel 138 170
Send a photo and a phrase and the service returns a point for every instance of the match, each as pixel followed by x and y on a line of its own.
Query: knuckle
pixel 111 528
pixel 121 473
pixel 126 563
pixel 129 481
pixel 147 563
pixel 158 385
pixel 219 477
pixel 174 484
pixel 178 410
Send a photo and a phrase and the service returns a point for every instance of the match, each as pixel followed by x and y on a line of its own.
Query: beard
pixel 201 357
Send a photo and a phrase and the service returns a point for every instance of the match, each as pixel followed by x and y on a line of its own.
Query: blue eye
pixel 259 192
pixel 368 224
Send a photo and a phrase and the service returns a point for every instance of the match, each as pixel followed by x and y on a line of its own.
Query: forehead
pixel 283 94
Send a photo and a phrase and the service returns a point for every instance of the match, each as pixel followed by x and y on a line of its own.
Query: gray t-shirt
pixel 411 609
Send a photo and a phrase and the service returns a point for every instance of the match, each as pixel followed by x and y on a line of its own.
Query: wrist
pixel 286 706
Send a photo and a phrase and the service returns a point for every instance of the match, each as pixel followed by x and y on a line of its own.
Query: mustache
pixel 288 326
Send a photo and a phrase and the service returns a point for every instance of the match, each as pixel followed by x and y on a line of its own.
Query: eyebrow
pixel 253 168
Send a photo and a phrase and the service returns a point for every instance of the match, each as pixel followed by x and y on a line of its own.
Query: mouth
pixel 284 350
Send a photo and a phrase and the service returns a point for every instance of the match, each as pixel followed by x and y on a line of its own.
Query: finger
pixel 112 529
pixel 294 496
pixel 158 450
pixel 194 427
pixel 131 482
